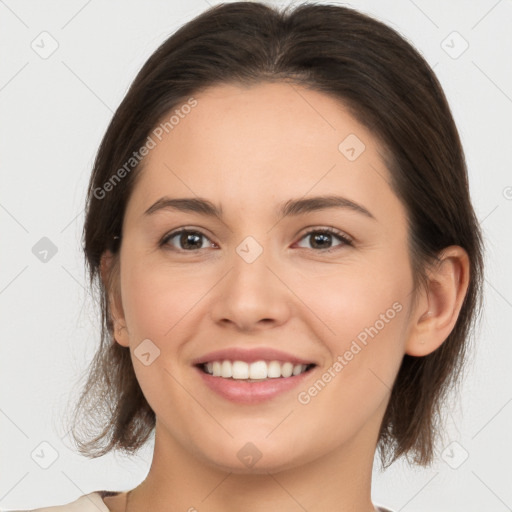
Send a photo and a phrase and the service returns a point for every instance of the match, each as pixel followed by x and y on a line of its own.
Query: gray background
pixel 54 111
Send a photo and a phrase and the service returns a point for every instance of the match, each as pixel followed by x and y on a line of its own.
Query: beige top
pixel 93 502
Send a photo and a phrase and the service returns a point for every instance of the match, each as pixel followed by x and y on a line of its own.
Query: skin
pixel 247 150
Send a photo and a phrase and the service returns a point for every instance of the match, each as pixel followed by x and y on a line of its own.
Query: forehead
pixel 241 144
pixel 267 120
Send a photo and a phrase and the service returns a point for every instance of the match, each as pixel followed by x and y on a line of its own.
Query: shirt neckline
pixel 105 494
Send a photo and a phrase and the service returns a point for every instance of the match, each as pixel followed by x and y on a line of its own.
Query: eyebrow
pixel 292 207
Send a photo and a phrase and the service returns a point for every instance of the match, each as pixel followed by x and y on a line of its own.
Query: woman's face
pixel 253 278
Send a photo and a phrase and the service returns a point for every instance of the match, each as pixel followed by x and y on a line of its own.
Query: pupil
pixel 322 236
pixel 185 237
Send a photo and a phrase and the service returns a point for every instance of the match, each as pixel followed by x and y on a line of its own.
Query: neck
pixel 338 481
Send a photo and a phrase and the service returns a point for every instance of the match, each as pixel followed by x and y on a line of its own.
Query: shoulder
pixel 92 502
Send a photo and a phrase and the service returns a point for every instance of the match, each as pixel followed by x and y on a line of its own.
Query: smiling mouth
pixel 256 371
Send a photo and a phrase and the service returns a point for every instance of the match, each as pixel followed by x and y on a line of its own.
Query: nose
pixel 252 296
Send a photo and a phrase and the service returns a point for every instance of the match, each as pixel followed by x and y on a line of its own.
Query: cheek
pixel 355 296
pixel 366 351
pixel 363 312
pixel 156 298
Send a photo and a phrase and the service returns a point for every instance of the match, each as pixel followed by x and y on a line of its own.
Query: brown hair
pixel 390 89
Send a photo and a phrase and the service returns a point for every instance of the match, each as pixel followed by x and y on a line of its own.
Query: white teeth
pixel 274 369
pixel 226 369
pixel 240 369
pixel 287 370
pixel 258 370
pixel 297 369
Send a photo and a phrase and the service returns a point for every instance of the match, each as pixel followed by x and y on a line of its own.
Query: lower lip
pixel 240 391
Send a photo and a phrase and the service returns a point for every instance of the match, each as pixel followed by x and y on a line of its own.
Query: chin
pixel 252 458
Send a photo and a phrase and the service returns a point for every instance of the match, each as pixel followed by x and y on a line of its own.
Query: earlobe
pixel 109 269
pixel 440 304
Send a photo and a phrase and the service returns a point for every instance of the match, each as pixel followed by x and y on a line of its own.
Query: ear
pixel 110 275
pixel 439 305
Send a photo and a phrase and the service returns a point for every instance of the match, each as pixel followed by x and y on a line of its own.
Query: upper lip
pixel 250 355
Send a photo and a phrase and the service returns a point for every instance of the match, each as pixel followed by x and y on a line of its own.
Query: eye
pixel 323 237
pixel 189 240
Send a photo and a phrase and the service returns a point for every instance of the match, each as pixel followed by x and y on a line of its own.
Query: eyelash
pixel 331 231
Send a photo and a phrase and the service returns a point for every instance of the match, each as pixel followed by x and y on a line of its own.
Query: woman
pixel 280 225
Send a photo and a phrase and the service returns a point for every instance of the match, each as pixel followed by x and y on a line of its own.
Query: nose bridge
pixel 251 292
pixel 250 264
pixel 251 250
